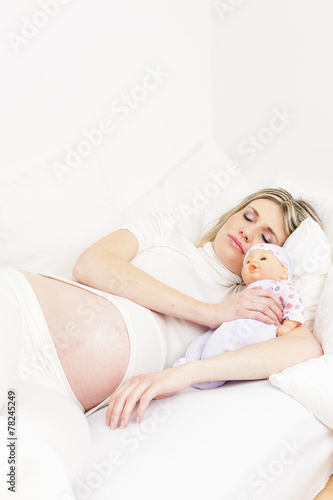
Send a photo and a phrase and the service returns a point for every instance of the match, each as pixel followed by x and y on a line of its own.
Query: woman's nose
pixel 245 235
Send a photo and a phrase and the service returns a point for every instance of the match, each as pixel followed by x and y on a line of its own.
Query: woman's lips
pixel 236 243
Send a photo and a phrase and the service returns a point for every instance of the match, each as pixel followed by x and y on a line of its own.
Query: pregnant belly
pixel 89 335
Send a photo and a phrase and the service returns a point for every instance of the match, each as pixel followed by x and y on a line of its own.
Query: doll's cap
pixel 281 253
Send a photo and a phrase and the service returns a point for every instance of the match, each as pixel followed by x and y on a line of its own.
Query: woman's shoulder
pixel 150 229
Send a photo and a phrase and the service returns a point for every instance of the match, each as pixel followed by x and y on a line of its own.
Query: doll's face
pixel 263 265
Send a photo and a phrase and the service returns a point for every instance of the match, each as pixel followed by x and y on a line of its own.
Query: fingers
pixel 261 317
pixel 123 401
pixel 275 305
pixel 144 402
pixel 270 295
pixel 270 314
pixel 270 306
pixel 275 299
pixel 117 402
pixel 143 388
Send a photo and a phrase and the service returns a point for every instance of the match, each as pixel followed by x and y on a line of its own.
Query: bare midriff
pixel 89 334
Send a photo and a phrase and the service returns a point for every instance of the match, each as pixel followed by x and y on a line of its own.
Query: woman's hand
pixel 254 303
pixel 143 388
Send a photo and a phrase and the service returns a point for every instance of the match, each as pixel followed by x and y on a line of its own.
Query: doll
pixel 267 266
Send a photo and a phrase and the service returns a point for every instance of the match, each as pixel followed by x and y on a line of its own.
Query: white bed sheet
pixel 245 440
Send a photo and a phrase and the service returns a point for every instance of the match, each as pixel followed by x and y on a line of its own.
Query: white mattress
pixel 211 444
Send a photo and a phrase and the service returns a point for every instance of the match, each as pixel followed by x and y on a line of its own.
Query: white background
pixel 271 54
pixel 66 78
pixel 266 55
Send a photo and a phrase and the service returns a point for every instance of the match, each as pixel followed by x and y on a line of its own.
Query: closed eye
pixel 263 258
pixel 246 217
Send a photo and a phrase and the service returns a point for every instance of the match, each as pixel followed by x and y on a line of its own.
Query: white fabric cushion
pixel 311 383
pixel 202 188
pixel 46 222
pixel 246 440
pixel 323 326
pixel 312 258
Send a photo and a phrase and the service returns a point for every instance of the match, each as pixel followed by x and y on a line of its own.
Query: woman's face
pixel 261 221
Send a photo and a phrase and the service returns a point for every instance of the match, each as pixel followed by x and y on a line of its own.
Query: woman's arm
pixel 257 361
pixel 105 265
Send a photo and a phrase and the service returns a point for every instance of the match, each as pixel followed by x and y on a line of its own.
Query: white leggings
pixel 52 433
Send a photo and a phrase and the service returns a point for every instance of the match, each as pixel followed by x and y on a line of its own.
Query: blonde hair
pixel 294 212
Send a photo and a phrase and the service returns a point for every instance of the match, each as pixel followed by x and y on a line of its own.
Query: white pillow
pixel 47 221
pixel 202 188
pixel 312 258
pixel 311 382
pixel 323 325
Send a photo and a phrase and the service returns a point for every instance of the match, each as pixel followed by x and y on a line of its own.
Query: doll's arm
pixel 286 327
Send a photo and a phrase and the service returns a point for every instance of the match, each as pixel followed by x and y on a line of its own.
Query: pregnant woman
pixel 138 298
